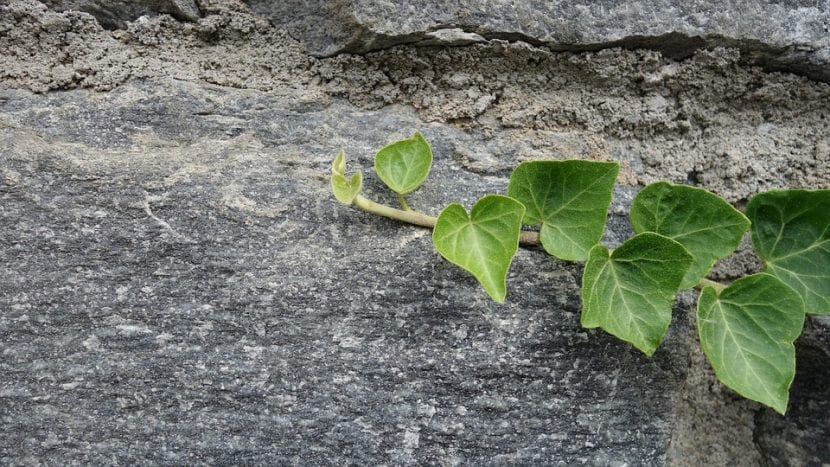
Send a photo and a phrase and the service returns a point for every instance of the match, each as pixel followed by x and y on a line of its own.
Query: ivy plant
pixel 747 328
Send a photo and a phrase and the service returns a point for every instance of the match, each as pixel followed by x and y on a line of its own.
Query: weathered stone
pixel 42 50
pixel 177 274
pixel 177 285
pixel 805 440
pixel 115 14
pixel 778 35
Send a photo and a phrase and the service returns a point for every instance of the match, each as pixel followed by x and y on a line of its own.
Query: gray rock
pixel 177 275
pixel 116 14
pixel 778 35
pixel 805 440
pixel 177 285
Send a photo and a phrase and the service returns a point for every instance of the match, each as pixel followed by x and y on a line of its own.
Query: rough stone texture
pixel 178 275
pixel 44 50
pixel 706 120
pixel 726 439
pixel 790 443
pixel 178 286
pixel 790 35
pixel 116 14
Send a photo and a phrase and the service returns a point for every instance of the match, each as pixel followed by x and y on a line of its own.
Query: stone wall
pixel 179 286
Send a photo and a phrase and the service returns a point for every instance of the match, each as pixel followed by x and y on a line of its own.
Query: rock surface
pixel 178 275
pixel 779 35
pixel 805 441
pixel 116 14
pixel 178 285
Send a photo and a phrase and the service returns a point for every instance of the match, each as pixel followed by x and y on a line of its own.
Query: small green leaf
pixel 404 165
pixel 747 333
pixel 484 242
pixel 704 223
pixel 339 164
pixel 344 189
pixel 569 199
pixel 791 233
pixel 630 293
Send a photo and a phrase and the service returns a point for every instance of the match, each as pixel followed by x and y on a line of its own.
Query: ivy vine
pixel 747 328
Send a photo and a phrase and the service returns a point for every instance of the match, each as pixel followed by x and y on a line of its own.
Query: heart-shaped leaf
pixel 791 233
pixel 344 189
pixel 338 166
pixel 747 332
pixel 630 292
pixel 404 165
pixel 569 199
pixel 484 242
pixel 704 223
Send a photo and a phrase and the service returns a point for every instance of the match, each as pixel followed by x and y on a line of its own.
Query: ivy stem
pixel 410 216
pixel 704 282
pixel 527 238
pixel 403 202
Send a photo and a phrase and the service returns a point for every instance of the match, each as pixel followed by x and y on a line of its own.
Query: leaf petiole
pixel 403 202
pixel 704 282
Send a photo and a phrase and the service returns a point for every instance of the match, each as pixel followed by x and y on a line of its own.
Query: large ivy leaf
pixel 630 292
pixel 484 242
pixel 791 233
pixel 404 165
pixel 747 332
pixel 569 199
pixel 344 189
pixel 704 223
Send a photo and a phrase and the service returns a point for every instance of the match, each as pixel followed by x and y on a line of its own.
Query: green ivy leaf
pixel 791 233
pixel 630 292
pixel 747 333
pixel 569 199
pixel 338 166
pixel 704 223
pixel 484 242
pixel 404 165
pixel 344 189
